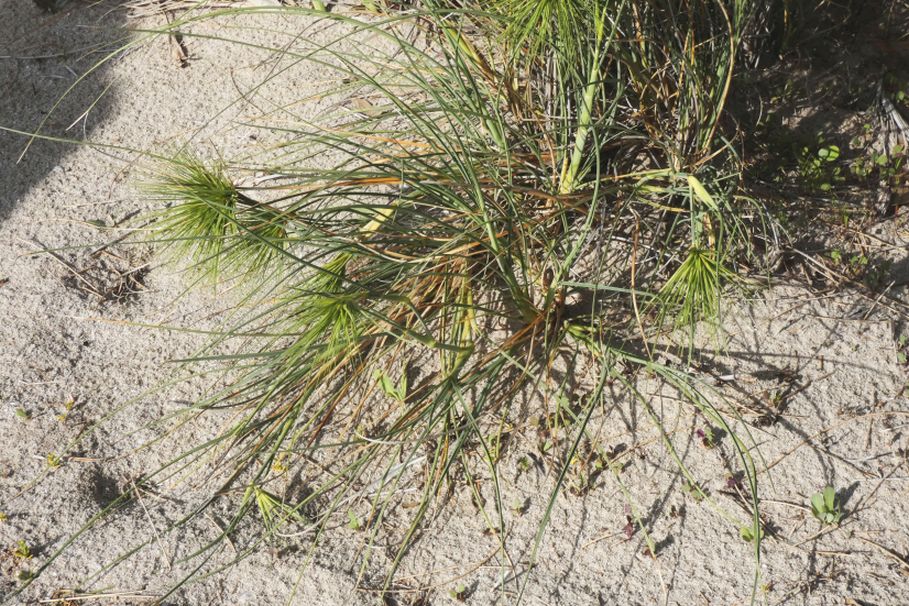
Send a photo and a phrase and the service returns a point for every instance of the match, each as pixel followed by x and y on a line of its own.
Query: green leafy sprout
pixel 825 506
pixel 748 534
pixel 22 551
pixel 274 511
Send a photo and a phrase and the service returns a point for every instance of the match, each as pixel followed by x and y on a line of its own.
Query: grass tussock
pixel 532 180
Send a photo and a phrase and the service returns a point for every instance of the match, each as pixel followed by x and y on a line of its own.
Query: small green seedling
pixel 398 392
pixel 22 551
pixel 825 508
pixel 53 461
pixel 888 167
pixel 828 153
pixel 23 415
pixel 274 511
pixel 748 535
pixel 818 169
pixel 353 520
pixel 459 593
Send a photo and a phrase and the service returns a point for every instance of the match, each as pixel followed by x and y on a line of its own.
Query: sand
pixel 821 371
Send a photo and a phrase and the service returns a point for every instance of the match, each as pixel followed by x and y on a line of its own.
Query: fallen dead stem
pixel 84 597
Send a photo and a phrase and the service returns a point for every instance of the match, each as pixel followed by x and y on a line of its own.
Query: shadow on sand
pixel 41 56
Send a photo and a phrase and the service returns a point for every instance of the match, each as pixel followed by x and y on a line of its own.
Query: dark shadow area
pixel 832 85
pixel 43 54
pixel 825 111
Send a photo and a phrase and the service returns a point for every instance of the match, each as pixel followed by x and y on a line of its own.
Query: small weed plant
pixel 22 551
pixel 819 168
pixel 825 506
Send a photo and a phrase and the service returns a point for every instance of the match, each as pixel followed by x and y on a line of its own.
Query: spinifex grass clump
pixel 558 182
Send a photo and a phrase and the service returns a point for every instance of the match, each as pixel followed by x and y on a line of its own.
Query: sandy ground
pixel 818 377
